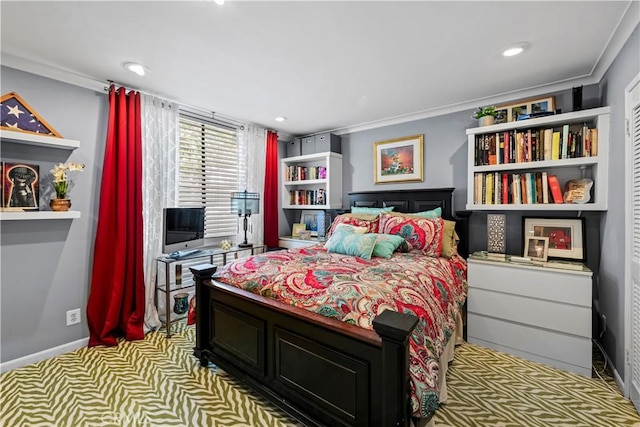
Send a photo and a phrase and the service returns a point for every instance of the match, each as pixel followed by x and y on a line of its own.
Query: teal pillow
pixel 374 211
pixel 433 213
pixel 386 245
pixel 346 242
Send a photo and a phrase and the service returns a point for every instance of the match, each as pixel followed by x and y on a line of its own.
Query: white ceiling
pixel 325 65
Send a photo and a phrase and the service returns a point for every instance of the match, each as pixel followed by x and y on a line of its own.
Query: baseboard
pixel 43 355
pixel 616 376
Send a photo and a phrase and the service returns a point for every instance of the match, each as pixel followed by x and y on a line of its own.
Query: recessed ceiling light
pixel 219 2
pixel 515 49
pixel 134 67
pixel 280 119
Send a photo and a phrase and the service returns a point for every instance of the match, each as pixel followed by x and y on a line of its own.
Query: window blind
pixel 208 172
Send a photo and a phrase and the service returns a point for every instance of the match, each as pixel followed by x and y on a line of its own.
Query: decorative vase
pixel 180 303
pixel 60 205
pixel 486 120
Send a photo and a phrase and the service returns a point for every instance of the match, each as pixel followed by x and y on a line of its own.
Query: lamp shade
pixel 245 203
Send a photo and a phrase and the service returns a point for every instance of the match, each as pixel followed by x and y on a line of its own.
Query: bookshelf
pixel 312 181
pixel 573 126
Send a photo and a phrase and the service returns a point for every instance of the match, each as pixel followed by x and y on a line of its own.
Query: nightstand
pixel 531 311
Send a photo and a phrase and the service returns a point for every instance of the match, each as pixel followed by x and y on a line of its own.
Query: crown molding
pixel 470 105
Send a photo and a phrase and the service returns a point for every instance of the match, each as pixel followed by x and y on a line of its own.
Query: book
pixel 565 142
pixel 545 188
pixel 492 149
pixel 507 147
pixel 555 146
pixel 547 142
pixel 538 187
pixel 594 142
pixel 554 186
pixel 505 188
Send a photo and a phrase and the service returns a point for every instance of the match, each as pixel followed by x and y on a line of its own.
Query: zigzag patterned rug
pixel 157 382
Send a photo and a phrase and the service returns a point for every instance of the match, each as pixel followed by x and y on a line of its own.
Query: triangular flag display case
pixel 17 115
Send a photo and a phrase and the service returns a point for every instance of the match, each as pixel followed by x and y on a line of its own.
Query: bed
pixel 336 368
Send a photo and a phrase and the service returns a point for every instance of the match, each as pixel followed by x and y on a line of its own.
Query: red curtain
pixel 271 192
pixel 116 299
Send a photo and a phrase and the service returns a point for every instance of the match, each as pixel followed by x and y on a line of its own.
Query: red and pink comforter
pixel 355 291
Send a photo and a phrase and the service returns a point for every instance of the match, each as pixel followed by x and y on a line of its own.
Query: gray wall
pixel 46 264
pixel 444 156
pixel 625 67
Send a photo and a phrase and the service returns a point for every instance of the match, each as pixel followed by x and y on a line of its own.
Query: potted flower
pixel 485 115
pixel 61 185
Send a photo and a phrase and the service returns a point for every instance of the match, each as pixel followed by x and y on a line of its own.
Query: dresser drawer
pixel 551 315
pixel 567 349
pixel 568 286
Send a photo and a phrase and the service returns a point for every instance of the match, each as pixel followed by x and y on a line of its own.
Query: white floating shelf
pixel 15 216
pixel 39 140
pixel 544 164
pixel 540 207
pixel 306 182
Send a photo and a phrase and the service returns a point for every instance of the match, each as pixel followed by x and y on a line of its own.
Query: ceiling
pixel 326 65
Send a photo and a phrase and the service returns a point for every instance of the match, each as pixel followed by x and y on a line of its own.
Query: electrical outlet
pixel 73 316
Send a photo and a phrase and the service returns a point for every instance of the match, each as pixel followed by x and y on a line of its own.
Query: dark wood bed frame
pixel 322 371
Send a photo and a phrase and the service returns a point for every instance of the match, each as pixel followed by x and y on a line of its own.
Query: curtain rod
pixel 214 116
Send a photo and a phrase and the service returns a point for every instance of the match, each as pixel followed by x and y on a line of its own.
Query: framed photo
pixel 566 235
pixel 20 186
pixel 297 228
pixel 310 220
pixel 526 107
pixel 398 160
pixel 536 248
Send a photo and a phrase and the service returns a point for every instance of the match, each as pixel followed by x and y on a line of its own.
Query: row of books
pixel 307 197
pixel 516 188
pixel 301 173
pixel 532 145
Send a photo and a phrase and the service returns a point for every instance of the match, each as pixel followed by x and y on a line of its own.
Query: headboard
pixel 409 201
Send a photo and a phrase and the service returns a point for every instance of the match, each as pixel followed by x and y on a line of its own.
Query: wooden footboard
pixel 321 371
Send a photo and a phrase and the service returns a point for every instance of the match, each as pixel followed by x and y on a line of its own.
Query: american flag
pixel 13 114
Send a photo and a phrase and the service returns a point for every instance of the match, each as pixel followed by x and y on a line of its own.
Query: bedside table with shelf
pixel 290 242
pixel 531 311
pixel 180 279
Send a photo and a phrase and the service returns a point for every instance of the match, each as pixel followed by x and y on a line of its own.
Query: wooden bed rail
pixel 278 351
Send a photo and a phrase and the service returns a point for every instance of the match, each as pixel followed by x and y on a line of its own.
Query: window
pixel 208 172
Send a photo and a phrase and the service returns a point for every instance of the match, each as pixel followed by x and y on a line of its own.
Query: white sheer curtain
pixel 252 148
pixel 160 138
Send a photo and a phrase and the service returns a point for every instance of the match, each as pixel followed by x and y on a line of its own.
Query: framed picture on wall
pixel 398 160
pixel 566 235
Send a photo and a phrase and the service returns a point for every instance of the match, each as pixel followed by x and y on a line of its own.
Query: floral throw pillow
pixel 424 234
pixel 370 224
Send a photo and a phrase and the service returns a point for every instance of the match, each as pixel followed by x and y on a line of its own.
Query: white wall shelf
pixel 595 168
pixel 38 140
pixel 331 185
pixel 14 216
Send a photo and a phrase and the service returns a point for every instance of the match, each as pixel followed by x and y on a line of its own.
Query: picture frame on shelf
pixel 526 107
pixel 310 220
pixel 566 235
pixel 398 160
pixel 297 228
pixel 536 248
pixel 20 186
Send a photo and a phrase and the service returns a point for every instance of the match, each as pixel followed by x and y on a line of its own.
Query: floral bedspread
pixel 355 291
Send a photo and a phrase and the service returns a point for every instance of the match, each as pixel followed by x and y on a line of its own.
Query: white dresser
pixel 537 313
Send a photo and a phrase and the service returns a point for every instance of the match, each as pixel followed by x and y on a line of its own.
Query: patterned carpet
pixel 156 382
